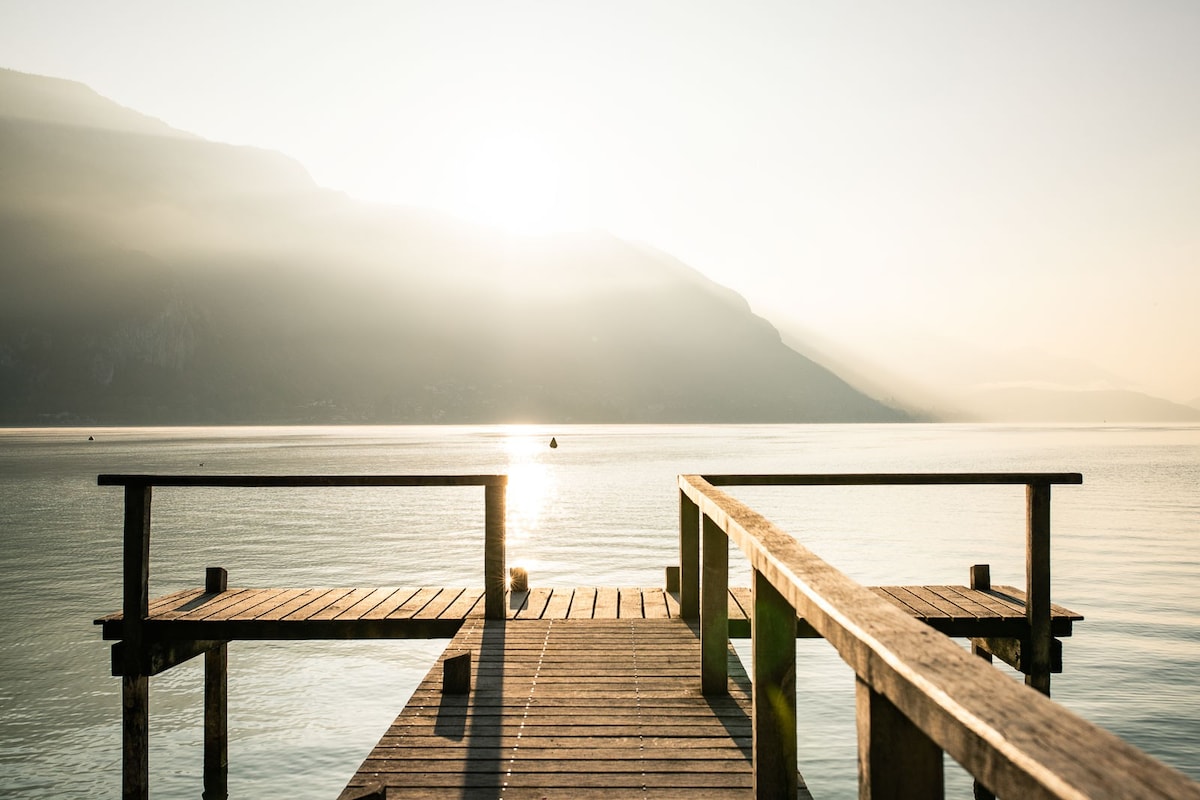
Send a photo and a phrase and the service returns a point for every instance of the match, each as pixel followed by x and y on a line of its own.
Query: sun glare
pixel 531 483
pixel 507 179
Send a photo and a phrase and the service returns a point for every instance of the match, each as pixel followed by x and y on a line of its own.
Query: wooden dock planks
pixel 573 708
pixel 438 612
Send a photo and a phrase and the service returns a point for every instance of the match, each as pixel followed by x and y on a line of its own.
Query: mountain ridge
pixel 161 279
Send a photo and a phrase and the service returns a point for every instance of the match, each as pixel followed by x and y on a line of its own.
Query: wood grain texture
pixel 571 708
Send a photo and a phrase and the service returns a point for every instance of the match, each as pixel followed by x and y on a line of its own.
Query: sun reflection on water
pixel 532 484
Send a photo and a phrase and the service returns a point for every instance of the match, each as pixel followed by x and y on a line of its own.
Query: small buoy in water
pixel 553 442
pixel 91 438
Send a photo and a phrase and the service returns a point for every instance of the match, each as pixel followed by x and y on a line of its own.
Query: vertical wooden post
pixel 216 704
pixel 216 723
pixel 689 558
pixel 981 578
pixel 135 736
pixel 773 641
pixel 1037 586
pixel 216 580
pixel 671 578
pixel 895 758
pixel 456 672
pixel 714 610
pixel 518 579
pixel 495 572
pixel 135 683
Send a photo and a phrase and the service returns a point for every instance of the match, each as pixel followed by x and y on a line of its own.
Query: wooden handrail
pixel 896 479
pixel 138 491
pixel 1037 539
pixel 298 481
pixel 135 673
pixel 916 688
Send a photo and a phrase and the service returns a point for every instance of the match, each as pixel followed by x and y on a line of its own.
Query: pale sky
pixel 1008 174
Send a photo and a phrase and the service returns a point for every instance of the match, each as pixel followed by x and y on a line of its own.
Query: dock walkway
pixel 569 708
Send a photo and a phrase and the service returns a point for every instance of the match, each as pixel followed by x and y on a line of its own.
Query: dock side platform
pixel 438 613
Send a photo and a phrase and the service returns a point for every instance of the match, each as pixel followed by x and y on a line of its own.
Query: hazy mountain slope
pixel 153 277
pixel 38 99
pixel 938 378
pixel 1023 404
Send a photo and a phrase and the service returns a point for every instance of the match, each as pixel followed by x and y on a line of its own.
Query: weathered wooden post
pixel 714 610
pixel 773 642
pixel 135 680
pixel 518 579
pixel 1037 585
pixel 456 672
pixel 981 579
pixel 689 557
pixel 216 704
pixel 671 578
pixel 896 760
pixel 495 573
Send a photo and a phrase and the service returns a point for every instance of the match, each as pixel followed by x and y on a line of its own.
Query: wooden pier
pixel 636 692
pixel 568 708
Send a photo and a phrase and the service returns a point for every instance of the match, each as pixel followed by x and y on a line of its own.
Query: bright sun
pixel 508 179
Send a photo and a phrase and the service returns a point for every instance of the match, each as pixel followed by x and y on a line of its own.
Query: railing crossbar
pixel 897 479
pixel 300 481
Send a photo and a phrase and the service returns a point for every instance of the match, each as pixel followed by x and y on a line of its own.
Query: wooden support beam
pixel 774 712
pixel 1014 652
pixel 689 558
pixel 158 657
pixel 495 573
pixel 1037 591
pixel 714 610
pixel 216 723
pixel 896 759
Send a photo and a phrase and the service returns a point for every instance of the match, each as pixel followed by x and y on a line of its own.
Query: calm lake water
pixel 601 509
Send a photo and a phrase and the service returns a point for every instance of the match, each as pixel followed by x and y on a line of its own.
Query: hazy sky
pixel 1011 174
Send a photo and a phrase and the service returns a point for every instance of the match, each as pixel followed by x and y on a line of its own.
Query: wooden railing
pixel 135 661
pixel 918 694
